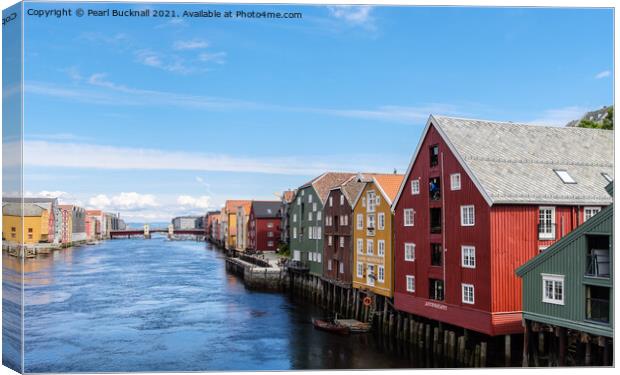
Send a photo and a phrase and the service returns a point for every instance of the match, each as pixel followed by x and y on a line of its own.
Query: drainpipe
pixel 443 226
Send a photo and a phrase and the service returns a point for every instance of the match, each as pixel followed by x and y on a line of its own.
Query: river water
pixel 159 305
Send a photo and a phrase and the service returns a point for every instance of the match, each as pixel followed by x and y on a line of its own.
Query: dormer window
pixel 607 177
pixel 564 176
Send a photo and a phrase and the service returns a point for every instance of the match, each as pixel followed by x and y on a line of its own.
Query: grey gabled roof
pixel 29 209
pixel 266 209
pixel 515 163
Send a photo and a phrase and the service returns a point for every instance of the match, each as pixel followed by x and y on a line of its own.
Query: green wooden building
pixel 568 291
pixel 306 219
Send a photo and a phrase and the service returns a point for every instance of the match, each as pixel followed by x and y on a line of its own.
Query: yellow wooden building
pixel 230 209
pixel 373 262
pixel 30 224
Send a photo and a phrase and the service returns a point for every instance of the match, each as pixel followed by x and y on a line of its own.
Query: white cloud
pixel 559 116
pixel 123 201
pixel 172 64
pixel 603 74
pixel 353 15
pixel 216 57
pixel 202 201
pixel 190 44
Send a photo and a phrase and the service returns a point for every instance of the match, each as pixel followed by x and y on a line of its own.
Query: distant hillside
pixel 600 119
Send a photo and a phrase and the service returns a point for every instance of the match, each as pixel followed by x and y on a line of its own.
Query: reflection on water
pixel 147 305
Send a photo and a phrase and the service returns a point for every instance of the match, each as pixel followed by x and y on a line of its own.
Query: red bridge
pixel 140 232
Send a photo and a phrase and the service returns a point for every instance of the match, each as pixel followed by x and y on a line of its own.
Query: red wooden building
pixel 478 200
pixel 264 225
pixel 211 226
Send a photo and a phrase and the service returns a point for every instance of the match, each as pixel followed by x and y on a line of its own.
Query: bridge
pixel 147 231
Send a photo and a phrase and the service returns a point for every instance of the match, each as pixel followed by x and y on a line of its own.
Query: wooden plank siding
pixel 338 255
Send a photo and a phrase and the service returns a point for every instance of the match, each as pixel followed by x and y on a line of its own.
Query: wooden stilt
pixel 526 343
pixel 477 356
pixel 562 346
pixel 588 353
pixel 483 354
pixel 507 350
pixel 460 355
pixel 399 322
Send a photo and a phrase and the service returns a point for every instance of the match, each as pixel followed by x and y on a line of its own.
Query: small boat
pixel 330 326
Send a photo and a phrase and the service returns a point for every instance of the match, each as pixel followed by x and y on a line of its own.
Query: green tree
pixel 607 123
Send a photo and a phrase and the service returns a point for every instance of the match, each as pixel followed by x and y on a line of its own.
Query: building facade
pixel 230 222
pixel 242 221
pixel 27 224
pixel 264 225
pixel 479 199
pixel 306 219
pixel 569 286
pixel 372 234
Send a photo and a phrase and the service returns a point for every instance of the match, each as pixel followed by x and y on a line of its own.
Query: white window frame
pixel 360 222
pixel 295 232
pixel 319 215
pixel 370 280
pixel 551 234
pixel 294 218
pixel 298 201
pixel 314 207
pixel 381 248
pixel 270 243
pixel 415 187
pixel 553 279
pixel 370 247
pixel 409 246
pixel 455 181
pixel 406 223
pixel 329 240
pixel 464 288
pixel 360 246
pixel 318 257
pixel 380 274
pixel 381 220
pixel 318 233
pixel 407 279
pixel 269 225
pixel 593 211
pixel 331 201
pixel 310 216
pixel 370 219
pixel 565 176
pixel 329 264
pixel 372 202
pixel 346 220
pixel 464 212
pixel 341 240
pixel 309 198
pixel 341 267
pixel 342 200
pixel 468 260
pixel 360 270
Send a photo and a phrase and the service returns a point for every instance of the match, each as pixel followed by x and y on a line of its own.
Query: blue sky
pixel 154 117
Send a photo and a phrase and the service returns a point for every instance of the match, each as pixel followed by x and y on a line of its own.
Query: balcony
pixel 434 189
pixel 546 231
pixel 597 310
pixel 598 264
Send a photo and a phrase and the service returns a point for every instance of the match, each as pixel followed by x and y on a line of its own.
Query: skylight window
pixel 607 177
pixel 565 177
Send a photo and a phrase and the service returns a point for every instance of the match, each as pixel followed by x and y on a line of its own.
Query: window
pixel 564 176
pixel 435 216
pixel 381 274
pixel 415 187
pixel 435 289
pixel 434 189
pixel 346 219
pixel 468 257
pixel 381 218
pixel 329 240
pixel 409 252
pixel 553 289
pixel 371 221
pixel 360 246
pixel 546 223
pixel 341 241
pixel 468 293
pixel 467 216
pixel 318 257
pixel 341 220
pixel 381 248
pixel 310 198
pixel 588 212
pixel 329 265
pixel 318 233
pixel 310 216
pixel 370 277
pixel 370 247
pixel 341 267
pixel 13 229
pixel 341 200
pixel 270 243
pixel 455 181
pixel 371 201
pixel 269 234
pixel 360 269
pixel 294 232
pixel 434 155
pixel 299 200
pixel 410 283
pixel 607 177
pixel 314 207
pixel 319 215
pixel 269 225
pixel 331 202
pixel 29 230
pixel 294 218
pixel 360 221
pixel 436 254
pixel 408 212
pixel 363 201
pixel 310 233
pixel 328 220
